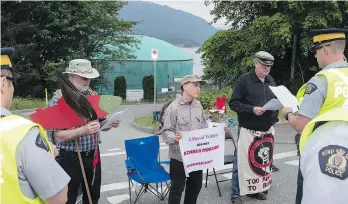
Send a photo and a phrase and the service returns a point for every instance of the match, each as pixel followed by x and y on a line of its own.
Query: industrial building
pixel 172 64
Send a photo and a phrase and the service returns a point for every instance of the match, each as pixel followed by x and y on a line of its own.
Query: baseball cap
pixel 192 79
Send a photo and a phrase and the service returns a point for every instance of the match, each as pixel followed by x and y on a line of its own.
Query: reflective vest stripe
pixel 339 74
pixel 336 79
pixel 12 131
pixel 6 125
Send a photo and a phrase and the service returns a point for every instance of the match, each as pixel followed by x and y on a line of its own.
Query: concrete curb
pixel 153 130
pixel 143 129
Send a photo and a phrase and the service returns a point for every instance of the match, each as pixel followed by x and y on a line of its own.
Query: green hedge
pixel 120 87
pixel 148 87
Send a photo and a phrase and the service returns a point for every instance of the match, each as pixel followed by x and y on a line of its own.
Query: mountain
pixel 175 26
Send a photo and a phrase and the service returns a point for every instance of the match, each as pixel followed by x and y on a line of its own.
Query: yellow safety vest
pixel 13 128
pixel 336 97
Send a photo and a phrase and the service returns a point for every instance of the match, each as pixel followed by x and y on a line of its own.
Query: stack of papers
pixel 273 105
pixel 284 99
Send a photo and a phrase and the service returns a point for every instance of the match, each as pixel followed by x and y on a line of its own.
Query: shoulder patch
pixel 310 88
pixel 333 161
pixel 40 143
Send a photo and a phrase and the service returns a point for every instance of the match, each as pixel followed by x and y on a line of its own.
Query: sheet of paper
pixel 112 118
pixel 285 97
pixel 273 104
pixel 202 149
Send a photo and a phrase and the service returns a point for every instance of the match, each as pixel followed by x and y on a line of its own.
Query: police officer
pixel 29 172
pixel 323 146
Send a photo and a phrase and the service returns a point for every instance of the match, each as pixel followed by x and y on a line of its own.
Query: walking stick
pixel 83 172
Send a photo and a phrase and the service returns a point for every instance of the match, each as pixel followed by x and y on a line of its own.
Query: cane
pixel 83 172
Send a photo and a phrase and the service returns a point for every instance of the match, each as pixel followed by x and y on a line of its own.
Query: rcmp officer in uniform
pixel 323 144
pixel 23 180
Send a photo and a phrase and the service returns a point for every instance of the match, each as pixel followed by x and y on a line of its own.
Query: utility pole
pixel 154 57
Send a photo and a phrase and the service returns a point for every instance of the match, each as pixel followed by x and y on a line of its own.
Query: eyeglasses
pixel 319 47
pixel 10 79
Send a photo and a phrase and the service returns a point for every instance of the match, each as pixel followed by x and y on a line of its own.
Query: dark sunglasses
pixel 319 47
pixel 10 79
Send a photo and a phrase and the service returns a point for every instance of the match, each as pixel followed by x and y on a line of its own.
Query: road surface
pixel 115 183
pixel 114 188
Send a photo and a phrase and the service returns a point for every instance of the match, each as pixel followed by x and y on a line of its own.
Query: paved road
pixel 114 180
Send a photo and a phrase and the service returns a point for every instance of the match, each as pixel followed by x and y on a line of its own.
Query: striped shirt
pixel 181 116
pixel 86 142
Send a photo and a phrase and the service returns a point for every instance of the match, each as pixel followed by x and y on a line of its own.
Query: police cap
pixel 264 58
pixel 326 35
pixel 6 63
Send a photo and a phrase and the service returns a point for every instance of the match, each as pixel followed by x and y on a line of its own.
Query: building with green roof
pixel 172 63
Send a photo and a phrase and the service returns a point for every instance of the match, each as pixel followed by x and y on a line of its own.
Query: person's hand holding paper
pixel 258 110
pixel 285 97
pixel 273 105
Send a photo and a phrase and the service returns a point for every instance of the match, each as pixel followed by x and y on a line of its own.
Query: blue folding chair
pixel 144 168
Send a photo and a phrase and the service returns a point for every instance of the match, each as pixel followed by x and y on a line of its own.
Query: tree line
pixel 46 35
pixel 278 27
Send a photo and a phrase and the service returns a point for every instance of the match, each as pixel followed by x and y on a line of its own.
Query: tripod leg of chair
pixel 206 179
pixel 130 191
pixel 217 183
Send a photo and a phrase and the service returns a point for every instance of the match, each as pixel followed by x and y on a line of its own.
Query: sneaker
pixel 274 168
pixel 258 196
pixel 236 200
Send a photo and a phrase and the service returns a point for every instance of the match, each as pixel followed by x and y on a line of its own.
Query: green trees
pixel 278 27
pixel 148 87
pixel 47 35
pixel 120 87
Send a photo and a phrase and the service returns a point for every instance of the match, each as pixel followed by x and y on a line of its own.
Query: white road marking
pixel 122 153
pixel 124 185
pixel 116 186
pixel 293 162
pixel 118 199
pixel 113 186
pixel 115 149
pixel 285 154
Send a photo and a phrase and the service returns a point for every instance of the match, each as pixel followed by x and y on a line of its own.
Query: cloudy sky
pixel 195 7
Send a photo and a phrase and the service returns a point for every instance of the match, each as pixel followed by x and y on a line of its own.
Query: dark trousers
pixel 299 191
pixel 178 182
pixel 69 161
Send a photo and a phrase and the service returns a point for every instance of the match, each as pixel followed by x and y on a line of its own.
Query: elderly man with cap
pixel 185 113
pixel 322 122
pixel 255 130
pixel 22 143
pixel 80 73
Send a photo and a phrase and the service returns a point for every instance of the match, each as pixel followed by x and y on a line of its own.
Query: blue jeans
pixel 235 181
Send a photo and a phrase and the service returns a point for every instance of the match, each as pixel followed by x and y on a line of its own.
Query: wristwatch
pixel 286 116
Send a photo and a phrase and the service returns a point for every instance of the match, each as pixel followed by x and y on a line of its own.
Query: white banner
pixel 255 158
pixel 203 148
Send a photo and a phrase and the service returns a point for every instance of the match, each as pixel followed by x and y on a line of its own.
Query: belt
pixel 89 153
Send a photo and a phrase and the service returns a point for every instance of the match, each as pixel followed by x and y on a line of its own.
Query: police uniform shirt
pixel 315 93
pixel 38 173
pixel 324 165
